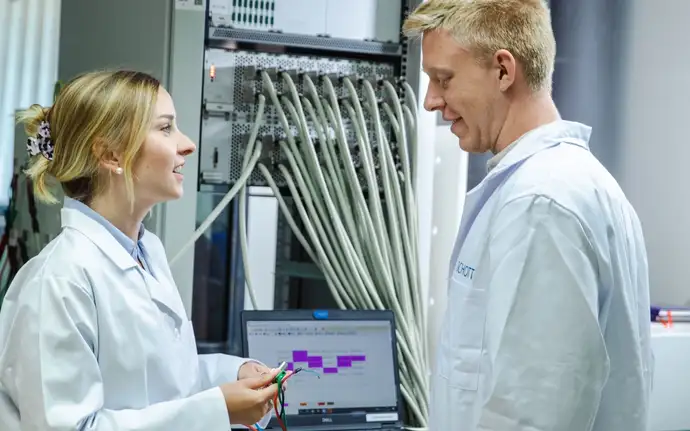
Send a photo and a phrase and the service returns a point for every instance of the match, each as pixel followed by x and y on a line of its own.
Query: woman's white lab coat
pixel 547 323
pixel 90 341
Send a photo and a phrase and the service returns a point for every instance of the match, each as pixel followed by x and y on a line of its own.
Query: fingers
pixel 260 381
pixel 268 393
pixel 268 407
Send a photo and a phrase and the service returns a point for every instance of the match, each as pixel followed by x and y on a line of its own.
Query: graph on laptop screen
pixel 348 365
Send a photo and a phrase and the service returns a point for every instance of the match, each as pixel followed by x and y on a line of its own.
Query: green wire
pixel 281 397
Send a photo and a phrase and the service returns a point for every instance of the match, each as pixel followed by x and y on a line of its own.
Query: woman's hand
pixel 254 369
pixel 248 400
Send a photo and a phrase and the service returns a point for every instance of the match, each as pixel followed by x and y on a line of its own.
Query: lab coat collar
pixel 162 291
pixel 543 137
pixel 126 242
pixel 529 144
pixel 99 235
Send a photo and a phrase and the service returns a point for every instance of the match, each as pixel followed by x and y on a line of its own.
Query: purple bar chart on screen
pixel 302 358
pixel 356 357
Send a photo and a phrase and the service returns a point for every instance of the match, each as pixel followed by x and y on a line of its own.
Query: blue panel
pixel 321 314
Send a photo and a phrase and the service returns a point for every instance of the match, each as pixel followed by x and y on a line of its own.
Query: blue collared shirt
pixel 136 250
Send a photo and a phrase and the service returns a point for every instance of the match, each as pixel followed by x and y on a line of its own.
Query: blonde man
pixel 547 322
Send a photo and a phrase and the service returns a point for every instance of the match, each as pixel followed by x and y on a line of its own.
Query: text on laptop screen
pixel 348 365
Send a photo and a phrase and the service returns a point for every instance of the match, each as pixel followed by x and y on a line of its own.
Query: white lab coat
pixel 93 342
pixel 547 322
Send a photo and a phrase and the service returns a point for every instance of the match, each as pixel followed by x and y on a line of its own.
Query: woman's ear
pixel 107 159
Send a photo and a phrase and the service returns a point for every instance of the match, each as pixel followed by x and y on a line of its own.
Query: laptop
pixel 349 377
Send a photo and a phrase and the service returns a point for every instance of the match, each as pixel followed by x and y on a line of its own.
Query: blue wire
pixel 258 427
pixel 311 371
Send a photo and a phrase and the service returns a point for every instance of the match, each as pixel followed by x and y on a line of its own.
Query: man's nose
pixel 433 101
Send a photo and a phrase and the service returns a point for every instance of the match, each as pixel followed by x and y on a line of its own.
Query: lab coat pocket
pixel 464 335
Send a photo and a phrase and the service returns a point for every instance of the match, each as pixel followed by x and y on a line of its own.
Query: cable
pixel 220 207
pixel 361 240
pixel 356 201
pixel 393 298
pixel 229 196
pixel 243 201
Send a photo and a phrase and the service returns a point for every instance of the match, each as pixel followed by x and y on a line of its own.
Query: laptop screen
pixel 347 369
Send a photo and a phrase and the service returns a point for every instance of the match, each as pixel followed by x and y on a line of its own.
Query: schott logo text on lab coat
pixel 464 270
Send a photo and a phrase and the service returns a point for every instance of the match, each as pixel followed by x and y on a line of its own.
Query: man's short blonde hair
pixel 522 27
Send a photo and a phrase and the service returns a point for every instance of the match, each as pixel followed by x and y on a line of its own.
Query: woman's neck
pixel 118 211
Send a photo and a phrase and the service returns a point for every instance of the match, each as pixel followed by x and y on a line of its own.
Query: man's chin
pixel 468 146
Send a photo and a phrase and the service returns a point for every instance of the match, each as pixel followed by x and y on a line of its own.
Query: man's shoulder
pixel 576 185
pixel 569 176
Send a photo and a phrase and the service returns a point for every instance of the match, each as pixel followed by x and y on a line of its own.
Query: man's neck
pixel 118 212
pixel 529 114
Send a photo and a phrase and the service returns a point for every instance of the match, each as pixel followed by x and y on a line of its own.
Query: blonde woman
pixel 93 332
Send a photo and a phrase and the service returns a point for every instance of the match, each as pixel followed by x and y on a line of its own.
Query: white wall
pixel 655 149
pixel 426 137
pixel 28 69
pixel 441 187
pixel 450 187
pixel 29 32
pixel 29 35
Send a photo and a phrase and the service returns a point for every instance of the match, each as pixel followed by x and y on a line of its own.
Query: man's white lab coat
pixel 547 325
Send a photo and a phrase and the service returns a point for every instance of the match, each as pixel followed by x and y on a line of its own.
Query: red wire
pixel 275 403
pixel 275 408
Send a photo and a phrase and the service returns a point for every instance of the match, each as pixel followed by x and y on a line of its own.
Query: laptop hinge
pixel 332 427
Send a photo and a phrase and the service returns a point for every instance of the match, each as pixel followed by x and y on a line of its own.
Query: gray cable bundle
pixel 366 248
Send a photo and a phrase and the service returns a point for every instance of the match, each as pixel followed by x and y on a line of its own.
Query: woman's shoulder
pixel 61 270
pixel 69 256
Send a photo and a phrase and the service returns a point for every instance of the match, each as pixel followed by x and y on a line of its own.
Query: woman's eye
pixel 167 128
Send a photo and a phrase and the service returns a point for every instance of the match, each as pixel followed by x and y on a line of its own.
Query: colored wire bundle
pixel 279 400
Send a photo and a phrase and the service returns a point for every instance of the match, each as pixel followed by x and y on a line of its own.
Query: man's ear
pixel 107 159
pixel 506 67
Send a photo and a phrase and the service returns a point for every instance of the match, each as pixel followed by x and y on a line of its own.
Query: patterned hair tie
pixel 41 143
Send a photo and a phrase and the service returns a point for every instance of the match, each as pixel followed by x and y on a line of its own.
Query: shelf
pixel 220 37
pixel 299 270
